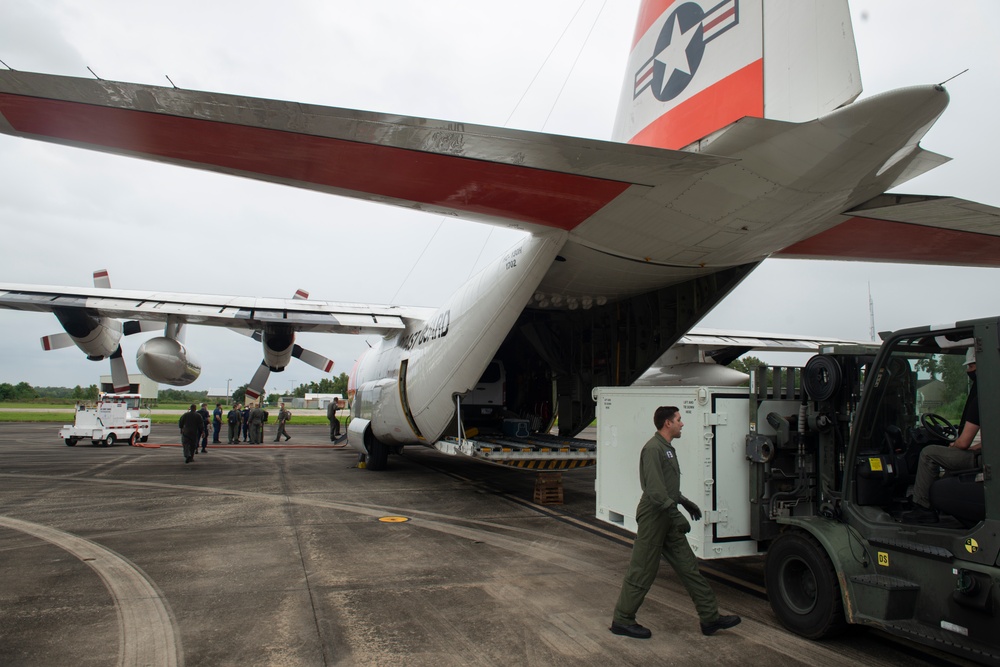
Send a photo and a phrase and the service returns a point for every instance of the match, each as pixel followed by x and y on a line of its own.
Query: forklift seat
pixel 962 495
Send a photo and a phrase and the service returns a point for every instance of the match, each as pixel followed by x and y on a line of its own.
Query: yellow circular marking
pixel 394 519
pixel 971 546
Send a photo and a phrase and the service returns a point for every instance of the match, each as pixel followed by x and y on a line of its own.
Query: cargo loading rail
pixel 534 452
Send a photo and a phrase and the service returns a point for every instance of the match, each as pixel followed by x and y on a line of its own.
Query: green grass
pixel 54 417
pixel 28 405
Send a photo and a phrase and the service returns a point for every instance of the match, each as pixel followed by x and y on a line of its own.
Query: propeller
pixel 119 372
pixel 263 372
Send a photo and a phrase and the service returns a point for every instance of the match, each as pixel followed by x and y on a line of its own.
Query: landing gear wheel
pixel 109 441
pixel 70 442
pixel 939 427
pixel 802 586
pixel 133 440
pixel 378 455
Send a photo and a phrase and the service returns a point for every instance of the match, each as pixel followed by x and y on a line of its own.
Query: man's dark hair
pixel 663 414
pixel 195 407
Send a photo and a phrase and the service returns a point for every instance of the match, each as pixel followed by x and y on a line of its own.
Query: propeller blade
pixel 257 382
pixel 57 341
pixel 300 294
pixel 119 374
pixel 102 279
pixel 312 358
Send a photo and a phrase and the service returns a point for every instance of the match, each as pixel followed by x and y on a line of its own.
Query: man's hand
pixel 691 508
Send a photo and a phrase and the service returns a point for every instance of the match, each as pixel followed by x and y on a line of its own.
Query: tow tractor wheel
pixel 133 439
pixel 802 586
pixel 110 440
pixel 70 442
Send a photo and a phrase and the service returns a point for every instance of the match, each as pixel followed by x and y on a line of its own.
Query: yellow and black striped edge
pixel 545 464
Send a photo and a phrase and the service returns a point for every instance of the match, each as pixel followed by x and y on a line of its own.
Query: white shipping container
pixel 711 452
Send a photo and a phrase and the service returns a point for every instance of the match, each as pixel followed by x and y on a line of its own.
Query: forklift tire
pixel 802 586
pixel 71 442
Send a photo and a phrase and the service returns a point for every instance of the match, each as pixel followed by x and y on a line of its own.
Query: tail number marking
pixel 510 259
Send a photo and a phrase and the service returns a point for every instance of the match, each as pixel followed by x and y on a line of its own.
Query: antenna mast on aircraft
pixel 871 314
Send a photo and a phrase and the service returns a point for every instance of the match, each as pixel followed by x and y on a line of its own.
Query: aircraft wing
pixel 726 346
pixel 212 310
pixel 489 174
pixel 701 356
pixel 614 198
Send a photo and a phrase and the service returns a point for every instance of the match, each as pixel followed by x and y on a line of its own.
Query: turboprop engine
pixel 166 360
pixel 98 337
pixel 279 348
pixel 278 345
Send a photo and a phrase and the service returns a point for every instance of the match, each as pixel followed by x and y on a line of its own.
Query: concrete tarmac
pixel 291 555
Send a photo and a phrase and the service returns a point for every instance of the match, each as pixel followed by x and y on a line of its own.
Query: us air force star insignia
pixel 680 47
pixel 678 52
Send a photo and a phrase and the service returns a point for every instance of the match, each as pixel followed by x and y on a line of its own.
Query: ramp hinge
pixel 720 516
pixel 716 419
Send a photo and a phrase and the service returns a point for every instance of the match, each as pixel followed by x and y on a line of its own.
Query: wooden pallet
pixel 549 488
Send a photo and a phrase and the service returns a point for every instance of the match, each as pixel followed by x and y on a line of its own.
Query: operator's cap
pixel 970 356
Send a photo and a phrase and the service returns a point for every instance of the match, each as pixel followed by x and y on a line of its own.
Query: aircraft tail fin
pixel 699 65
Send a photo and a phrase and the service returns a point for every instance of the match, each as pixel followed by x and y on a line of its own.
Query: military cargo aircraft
pixel 740 136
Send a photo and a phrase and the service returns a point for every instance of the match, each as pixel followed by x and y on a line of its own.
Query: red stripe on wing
pixel 466 185
pixel 884 241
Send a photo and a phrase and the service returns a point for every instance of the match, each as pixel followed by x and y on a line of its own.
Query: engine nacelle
pixel 97 337
pixel 166 360
pixel 692 374
pixel 278 346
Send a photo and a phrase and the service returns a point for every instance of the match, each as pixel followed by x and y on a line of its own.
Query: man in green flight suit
pixel 661 530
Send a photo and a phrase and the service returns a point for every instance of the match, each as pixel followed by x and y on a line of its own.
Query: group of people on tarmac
pixel 249 422
pixel 194 426
pixel 242 419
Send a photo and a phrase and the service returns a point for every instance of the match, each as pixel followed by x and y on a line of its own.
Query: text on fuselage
pixel 435 328
pixel 510 259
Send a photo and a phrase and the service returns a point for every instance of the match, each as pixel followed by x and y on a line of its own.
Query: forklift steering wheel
pixel 939 427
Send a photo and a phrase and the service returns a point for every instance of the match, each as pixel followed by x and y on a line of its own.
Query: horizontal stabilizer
pixel 490 174
pixel 910 229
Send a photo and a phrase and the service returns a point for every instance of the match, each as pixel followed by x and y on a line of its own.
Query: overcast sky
pixel 554 66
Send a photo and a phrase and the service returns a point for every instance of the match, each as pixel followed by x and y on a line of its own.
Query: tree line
pixel 24 392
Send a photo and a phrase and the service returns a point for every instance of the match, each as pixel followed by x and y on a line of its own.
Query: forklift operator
pixel 959 455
